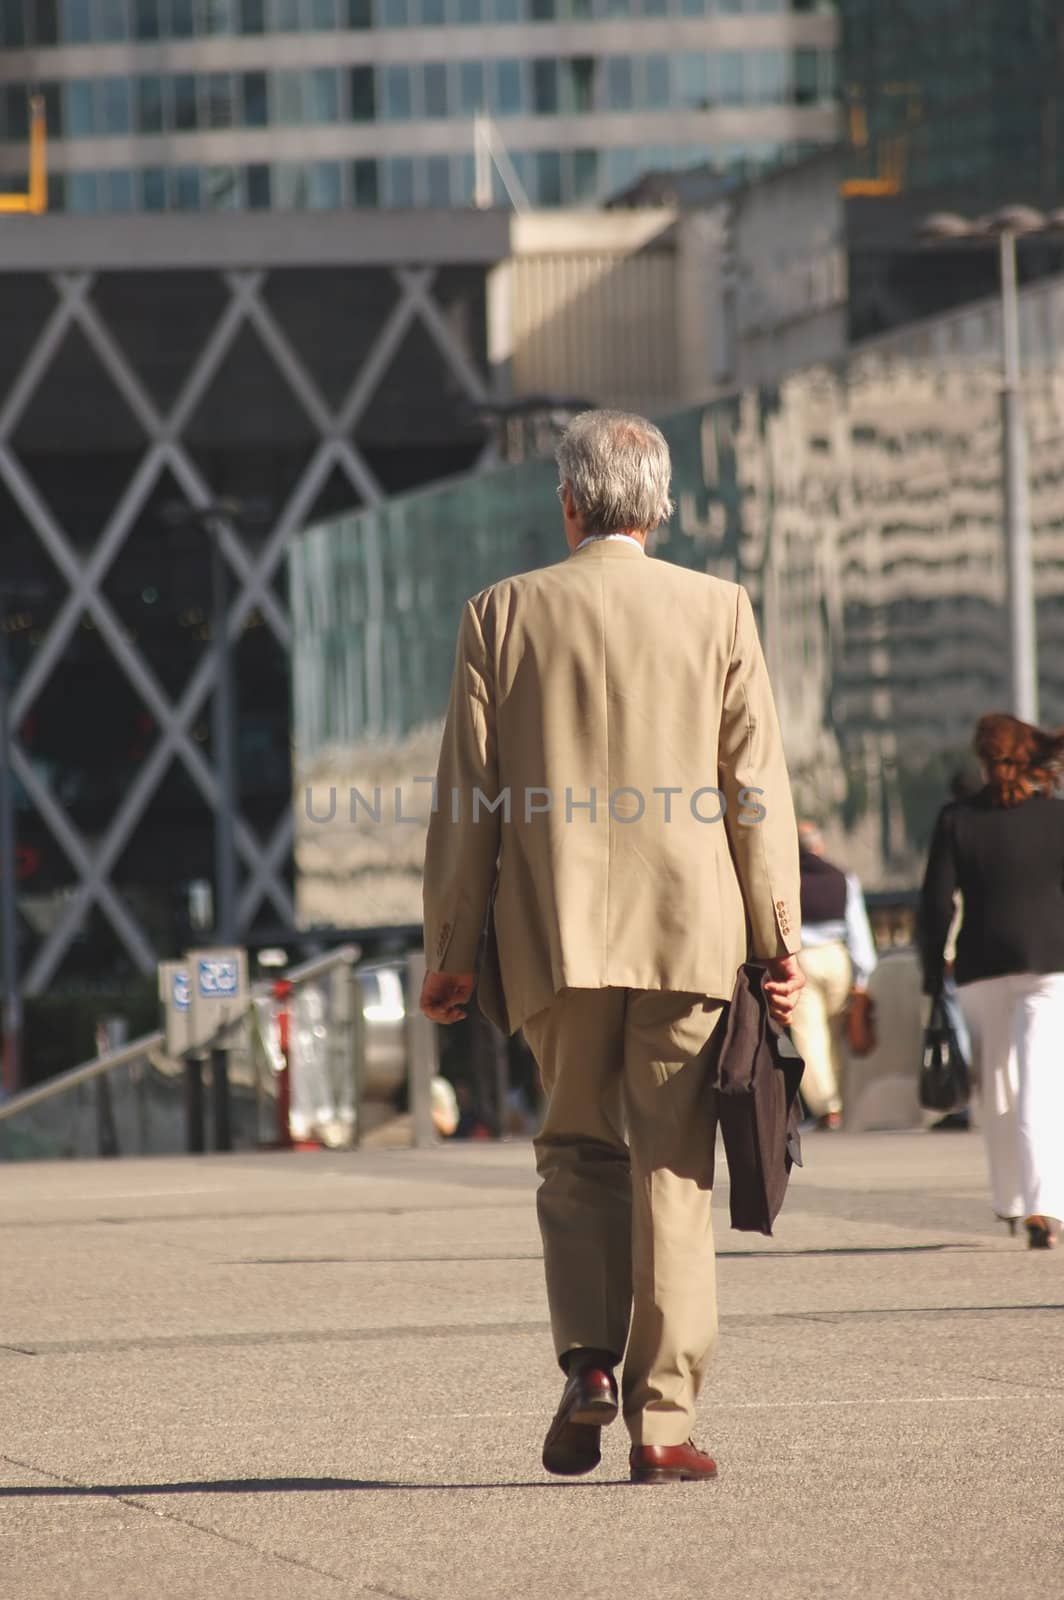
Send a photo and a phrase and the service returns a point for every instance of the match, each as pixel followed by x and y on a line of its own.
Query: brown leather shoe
pixel 588 1404
pixel 671 1463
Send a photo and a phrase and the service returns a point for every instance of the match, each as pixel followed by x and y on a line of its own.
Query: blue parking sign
pixel 182 998
pixel 218 978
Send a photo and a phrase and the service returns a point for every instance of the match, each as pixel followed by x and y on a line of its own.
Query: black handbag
pixel 944 1082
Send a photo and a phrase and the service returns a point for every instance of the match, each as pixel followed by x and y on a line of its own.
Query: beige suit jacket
pixel 597 708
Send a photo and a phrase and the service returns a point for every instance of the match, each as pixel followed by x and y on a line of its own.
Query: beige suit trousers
pixel 626 1225
pixel 818 1024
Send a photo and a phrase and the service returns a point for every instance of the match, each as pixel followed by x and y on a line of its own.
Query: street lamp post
pixel 214 520
pixel 1005 227
pixel 223 725
pixel 1023 636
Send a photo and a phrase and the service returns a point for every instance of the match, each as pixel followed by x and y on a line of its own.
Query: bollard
pixel 223 1134
pixel 358 1053
pixel 422 1054
pixel 282 990
pixel 195 1122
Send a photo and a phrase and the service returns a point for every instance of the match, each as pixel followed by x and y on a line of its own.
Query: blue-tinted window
pixel 16 114
pixel 256 106
pixel 77 22
pixel 79 107
pixel 288 98
pixel 82 192
pixel 325 186
pixel 438 181
pixel 323 15
pixel 435 89
pixel 508 101
pixel 545 86
pixel 364 184
pixel 400 183
pixel 585 175
pixel 286 16
pixel 252 18
pixel 185 189
pixel 506 10
pixel 182 18
pixel 655 8
pixel 470 87
pixel 829 83
pixel 577 83
pixel 616 8
pixel 148 95
pixel 621 169
pixel 548 182
pixel 618 83
pixel 462 180
pixel 393 13
pixel 153 189
pixel 112 19
pixel 118 191
pixel 769 77
pixel 359 13
pixel 324 95
pixel 257 186
pixel 114 105
pixel 543 10
pixel 219 100
pixel 433 13
pixel 216 16
pixel 806 89
pixel 290 186
pixel 656 82
pixel 470 11
pixel 396 97
pixel 693 8
pixel 691 76
pixel 730 78
pixel 184 90
pixel 363 94
pixel 147 22
pixel 221 189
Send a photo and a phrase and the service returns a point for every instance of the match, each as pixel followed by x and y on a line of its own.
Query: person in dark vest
pixel 838 957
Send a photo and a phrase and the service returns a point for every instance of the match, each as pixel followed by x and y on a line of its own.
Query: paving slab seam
pixel 135 1503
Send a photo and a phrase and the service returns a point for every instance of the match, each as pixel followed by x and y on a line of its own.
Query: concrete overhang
pixel 243 240
pixel 233 241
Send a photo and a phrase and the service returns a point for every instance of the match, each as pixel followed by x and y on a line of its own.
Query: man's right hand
pixel 783 983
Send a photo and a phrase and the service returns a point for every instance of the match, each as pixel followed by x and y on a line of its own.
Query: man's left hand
pixel 444 994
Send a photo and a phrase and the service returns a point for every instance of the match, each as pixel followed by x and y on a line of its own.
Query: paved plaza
pixel 326 1375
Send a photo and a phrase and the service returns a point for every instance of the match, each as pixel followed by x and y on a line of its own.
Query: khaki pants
pixel 818 1024
pixel 626 1225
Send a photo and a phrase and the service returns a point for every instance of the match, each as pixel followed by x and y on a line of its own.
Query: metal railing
pixel 160 1078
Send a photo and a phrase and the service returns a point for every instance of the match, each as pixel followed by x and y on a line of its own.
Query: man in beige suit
pixel 612 798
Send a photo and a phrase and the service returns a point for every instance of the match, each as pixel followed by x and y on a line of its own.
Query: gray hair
pixel 617 466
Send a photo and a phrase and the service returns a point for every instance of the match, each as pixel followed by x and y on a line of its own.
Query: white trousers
pixel 1017 1029
pixel 818 1024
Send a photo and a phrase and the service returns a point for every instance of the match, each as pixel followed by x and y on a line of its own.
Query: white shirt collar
pixel 601 538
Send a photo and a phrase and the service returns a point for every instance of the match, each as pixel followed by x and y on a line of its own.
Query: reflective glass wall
pixel 864 513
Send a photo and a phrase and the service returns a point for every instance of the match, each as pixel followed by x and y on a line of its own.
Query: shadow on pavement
pixel 20 1491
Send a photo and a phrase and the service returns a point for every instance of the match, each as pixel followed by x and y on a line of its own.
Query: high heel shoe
pixel 1041 1234
pixel 1010 1222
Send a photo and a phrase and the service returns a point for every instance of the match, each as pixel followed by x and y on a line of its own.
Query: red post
pixel 281 991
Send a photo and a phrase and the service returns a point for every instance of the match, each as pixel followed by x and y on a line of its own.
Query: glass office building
pixel 983 116
pixel 188 105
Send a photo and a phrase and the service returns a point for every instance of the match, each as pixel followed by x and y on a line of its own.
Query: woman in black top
pixel 1003 848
